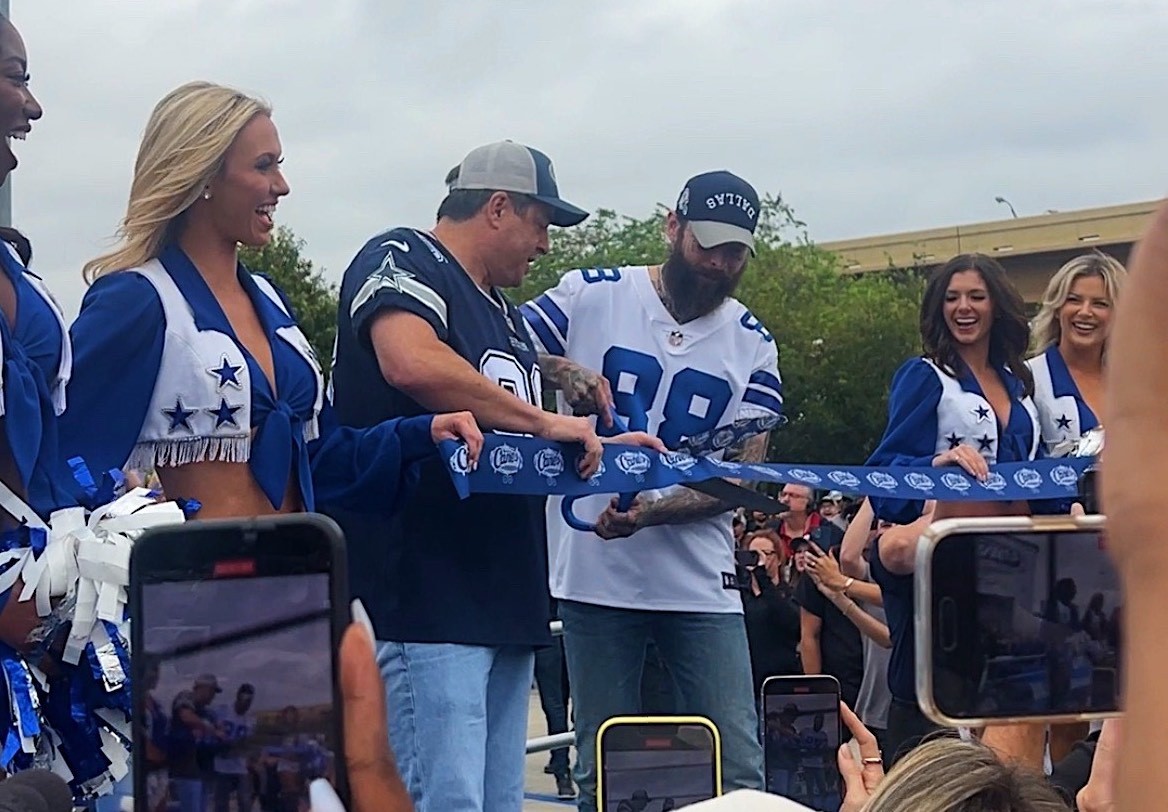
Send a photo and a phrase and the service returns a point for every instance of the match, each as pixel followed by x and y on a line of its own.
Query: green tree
pixel 313 298
pixel 841 336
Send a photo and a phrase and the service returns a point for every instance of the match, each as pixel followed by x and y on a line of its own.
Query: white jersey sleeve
pixel 549 315
pixel 764 389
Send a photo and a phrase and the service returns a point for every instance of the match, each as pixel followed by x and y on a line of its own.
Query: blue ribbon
pixel 526 465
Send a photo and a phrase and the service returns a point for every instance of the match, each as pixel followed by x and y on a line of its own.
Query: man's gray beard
pixel 688 294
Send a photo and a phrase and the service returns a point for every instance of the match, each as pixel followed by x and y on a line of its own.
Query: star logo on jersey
pixel 954 440
pixel 982 413
pixel 225 414
pixel 227 373
pixel 985 443
pixel 179 416
pixel 1064 422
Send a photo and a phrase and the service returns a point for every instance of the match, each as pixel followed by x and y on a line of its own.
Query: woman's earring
pixel 206 194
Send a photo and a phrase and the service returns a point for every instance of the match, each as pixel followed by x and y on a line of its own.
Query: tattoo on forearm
pixel 686 505
pixel 576 382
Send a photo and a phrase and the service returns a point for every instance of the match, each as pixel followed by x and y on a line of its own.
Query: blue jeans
pixel 458 723
pixel 707 655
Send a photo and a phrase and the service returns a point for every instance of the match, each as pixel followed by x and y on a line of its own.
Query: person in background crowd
pixel 965 402
pixel 701 361
pixel 829 640
pixel 423 323
pixel 874 700
pixel 155 733
pixel 772 616
pixel 738 528
pixel 831 508
pixel 800 519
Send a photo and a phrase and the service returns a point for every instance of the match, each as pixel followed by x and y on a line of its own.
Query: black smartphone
pixel 1021 621
pixel 747 558
pixel 801 736
pixel 657 763
pixel 236 627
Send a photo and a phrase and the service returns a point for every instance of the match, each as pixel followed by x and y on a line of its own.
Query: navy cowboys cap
pixel 720 207
pixel 509 167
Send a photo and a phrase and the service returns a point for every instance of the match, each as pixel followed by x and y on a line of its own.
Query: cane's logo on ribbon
pixel 1064 475
pixel 678 461
pixel 881 480
pixel 460 461
pixel 844 479
pixel 995 482
pixel 506 461
pixel 634 463
pixel 919 482
pixel 803 475
pixel 1028 478
pixel 723 439
pixel 549 464
pixel 955 482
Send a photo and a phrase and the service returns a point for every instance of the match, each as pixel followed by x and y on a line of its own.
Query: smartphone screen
pixel 1035 632
pixel 801 736
pixel 235 629
pixel 655 766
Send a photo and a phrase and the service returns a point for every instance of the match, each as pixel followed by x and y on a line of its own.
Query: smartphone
pixel 657 763
pixel 801 736
pixel 1018 619
pixel 236 626
pixel 747 558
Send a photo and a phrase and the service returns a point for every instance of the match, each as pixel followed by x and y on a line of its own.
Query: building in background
pixel 1030 248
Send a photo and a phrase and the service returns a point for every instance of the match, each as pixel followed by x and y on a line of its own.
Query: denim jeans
pixel 458 723
pixel 551 677
pixel 709 660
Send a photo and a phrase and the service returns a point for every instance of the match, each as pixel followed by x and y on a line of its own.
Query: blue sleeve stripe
pixel 765 379
pixel 542 332
pixel 757 398
pixel 556 316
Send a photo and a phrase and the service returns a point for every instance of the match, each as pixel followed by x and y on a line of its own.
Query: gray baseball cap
pixel 509 167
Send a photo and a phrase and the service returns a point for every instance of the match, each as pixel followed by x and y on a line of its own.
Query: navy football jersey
pixel 446 570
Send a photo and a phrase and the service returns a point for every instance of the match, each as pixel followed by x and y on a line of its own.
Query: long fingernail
pixel 362 617
pixel 323 798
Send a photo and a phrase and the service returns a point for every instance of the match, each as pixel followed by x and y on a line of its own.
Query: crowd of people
pixel 184 364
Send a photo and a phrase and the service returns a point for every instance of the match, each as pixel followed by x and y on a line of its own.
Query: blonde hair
pixel 951 775
pixel 1045 331
pixel 184 145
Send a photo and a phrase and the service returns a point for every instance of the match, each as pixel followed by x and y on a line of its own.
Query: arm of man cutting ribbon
pixel 681 506
pixel 585 390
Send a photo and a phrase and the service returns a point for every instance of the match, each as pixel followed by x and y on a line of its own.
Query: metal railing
pixel 542 744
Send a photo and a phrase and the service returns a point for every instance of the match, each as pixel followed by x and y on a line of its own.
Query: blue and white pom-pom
pixel 76 721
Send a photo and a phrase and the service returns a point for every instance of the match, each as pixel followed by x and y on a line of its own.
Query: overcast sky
pixel 867 120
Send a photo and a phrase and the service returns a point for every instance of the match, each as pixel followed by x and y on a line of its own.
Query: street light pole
pixel 1000 199
pixel 6 189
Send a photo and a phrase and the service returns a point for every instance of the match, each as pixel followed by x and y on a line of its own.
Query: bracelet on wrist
pixel 848 585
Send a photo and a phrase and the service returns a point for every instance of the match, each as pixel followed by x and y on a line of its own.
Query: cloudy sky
pixel 867 117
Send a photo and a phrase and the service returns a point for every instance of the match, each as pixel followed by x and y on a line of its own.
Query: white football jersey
pixel 673 381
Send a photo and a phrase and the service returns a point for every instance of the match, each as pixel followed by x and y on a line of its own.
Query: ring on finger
pixel 872 761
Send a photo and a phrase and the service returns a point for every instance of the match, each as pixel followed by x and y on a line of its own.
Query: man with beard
pixel 678 356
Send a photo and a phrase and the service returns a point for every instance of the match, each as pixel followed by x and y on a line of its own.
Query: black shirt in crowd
pixel 841 649
pixel 443 570
pixel 772 628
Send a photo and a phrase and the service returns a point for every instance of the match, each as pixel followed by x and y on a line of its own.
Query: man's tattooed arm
pixel 586 391
pixel 683 505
